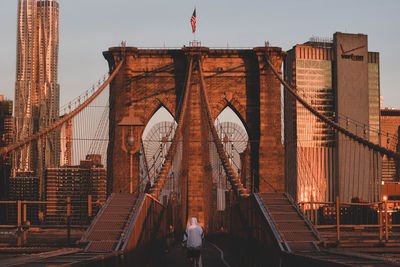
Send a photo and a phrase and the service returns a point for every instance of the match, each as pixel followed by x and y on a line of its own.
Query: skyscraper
pixel 36 88
pixel 340 79
pixel 6 136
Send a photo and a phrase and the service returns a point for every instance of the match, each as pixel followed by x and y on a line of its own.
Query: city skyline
pixel 84 36
pixel 265 133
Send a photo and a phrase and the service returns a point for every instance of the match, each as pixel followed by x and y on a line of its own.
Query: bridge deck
pixel 211 256
pixel 54 258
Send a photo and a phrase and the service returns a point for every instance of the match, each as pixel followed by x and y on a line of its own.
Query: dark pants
pixel 193 253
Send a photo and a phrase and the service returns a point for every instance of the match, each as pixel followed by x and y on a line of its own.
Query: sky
pixel 89 27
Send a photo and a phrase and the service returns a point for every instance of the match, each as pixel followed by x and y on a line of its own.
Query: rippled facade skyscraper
pixel 37 91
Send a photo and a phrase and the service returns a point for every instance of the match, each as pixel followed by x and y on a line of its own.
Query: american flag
pixel 193 21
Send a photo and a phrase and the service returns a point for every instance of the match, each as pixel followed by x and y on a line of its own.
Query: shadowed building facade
pixel 340 79
pixel 390 122
pixel 6 138
pixel 36 86
pixel 76 182
pixel 240 79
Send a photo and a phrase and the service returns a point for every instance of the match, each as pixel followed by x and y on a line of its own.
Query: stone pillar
pixel 271 150
pixel 199 180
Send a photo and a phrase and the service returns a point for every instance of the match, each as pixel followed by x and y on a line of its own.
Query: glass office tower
pixel 340 79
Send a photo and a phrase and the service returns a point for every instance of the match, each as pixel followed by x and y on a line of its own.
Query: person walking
pixel 193 241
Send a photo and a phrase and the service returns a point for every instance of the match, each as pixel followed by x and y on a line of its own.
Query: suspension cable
pixel 231 174
pixel 327 120
pixel 160 180
pixel 66 118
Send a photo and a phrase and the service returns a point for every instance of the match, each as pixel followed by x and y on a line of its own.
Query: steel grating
pixel 109 227
pixel 101 246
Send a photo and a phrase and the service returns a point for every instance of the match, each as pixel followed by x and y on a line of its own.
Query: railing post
pixel 380 221
pixel 386 222
pixel 19 224
pixel 24 218
pixel 69 220
pixel 19 221
pixel 89 206
pixel 312 209
pixel 338 218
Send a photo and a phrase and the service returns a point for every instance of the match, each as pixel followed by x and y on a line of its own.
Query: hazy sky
pixel 88 27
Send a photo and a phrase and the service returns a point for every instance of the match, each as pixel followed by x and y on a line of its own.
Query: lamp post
pixel 132 128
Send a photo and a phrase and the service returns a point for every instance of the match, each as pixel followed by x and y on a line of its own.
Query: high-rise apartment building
pixel 36 86
pixel 6 137
pixel 77 182
pixel 6 122
pixel 340 79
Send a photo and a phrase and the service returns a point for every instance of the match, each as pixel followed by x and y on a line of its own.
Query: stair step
pixel 106 246
pixel 276 209
pixel 292 226
pixel 297 235
pixel 301 246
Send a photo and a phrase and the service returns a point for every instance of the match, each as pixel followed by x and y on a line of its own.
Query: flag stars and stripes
pixel 193 21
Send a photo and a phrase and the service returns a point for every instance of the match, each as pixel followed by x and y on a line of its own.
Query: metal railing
pixel 146 225
pixel 376 221
pixel 21 214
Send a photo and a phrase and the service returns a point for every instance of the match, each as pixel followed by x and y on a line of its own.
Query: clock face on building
pixel 346 55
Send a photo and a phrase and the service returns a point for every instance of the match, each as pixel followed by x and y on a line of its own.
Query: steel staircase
pixel 298 234
pixel 107 230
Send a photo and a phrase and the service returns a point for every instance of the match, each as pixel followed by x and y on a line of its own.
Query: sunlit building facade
pixel 308 141
pixel 37 90
pixel 340 79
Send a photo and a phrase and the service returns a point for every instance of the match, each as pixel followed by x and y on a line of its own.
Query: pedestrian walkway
pixel 176 256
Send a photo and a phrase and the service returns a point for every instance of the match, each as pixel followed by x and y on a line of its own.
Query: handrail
pixel 138 209
pixel 127 230
pixel 283 245
pixel 268 183
pixel 96 218
pixel 134 208
pixel 63 120
pixel 307 221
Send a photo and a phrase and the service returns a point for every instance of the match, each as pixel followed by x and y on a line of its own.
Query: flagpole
pixel 193 24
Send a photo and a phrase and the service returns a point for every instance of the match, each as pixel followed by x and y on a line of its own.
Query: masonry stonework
pixel 240 79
